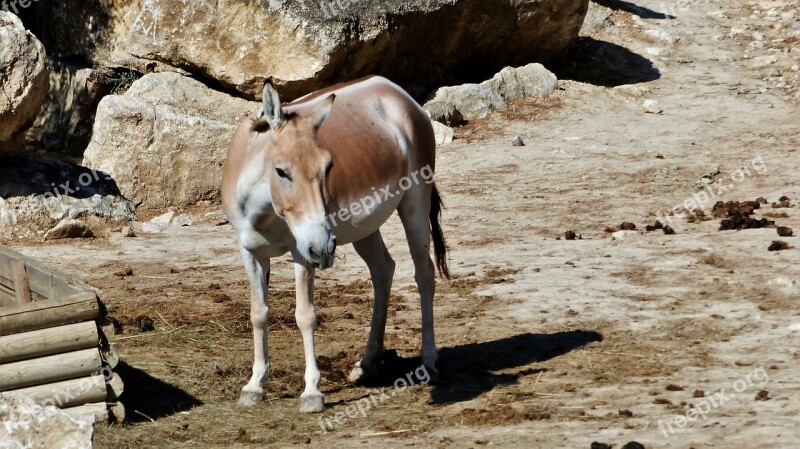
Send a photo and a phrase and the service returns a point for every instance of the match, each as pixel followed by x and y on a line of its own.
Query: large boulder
pixel 26 424
pixel 165 140
pixel 308 44
pixel 23 81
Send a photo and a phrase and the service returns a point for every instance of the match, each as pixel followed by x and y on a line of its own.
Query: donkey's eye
pixel 328 168
pixel 283 174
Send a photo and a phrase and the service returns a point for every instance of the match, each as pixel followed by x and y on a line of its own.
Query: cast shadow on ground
pixel 604 64
pixel 641 11
pixel 467 371
pixel 146 397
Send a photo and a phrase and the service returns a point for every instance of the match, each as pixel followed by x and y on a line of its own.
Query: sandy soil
pixel 545 342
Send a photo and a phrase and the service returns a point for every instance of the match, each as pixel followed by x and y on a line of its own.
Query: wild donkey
pixel 331 168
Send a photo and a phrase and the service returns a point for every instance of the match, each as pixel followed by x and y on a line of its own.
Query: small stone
pixel 668 230
pixel 597 445
pixel 152 228
pixel 69 228
pixel 627 226
pixel 783 231
pixel 127 231
pixel 182 220
pixel 651 107
pixel 518 142
pixel 633 445
pixel 163 218
pixel 762 395
pixel 657 51
pixel 570 235
pixel 778 245
pixel 443 133
pixel 127 271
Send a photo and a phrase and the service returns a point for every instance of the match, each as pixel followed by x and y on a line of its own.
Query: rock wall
pixel 23 82
pixel 308 44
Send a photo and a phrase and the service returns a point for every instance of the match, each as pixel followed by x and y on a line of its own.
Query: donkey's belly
pixel 362 217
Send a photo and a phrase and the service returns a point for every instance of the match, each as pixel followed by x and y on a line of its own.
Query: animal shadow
pixel 641 11
pixel 467 371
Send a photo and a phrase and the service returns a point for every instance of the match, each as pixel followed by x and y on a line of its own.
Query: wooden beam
pixel 99 410
pixel 44 342
pixel 50 369
pixel 68 393
pixel 22 286
pixel 45 314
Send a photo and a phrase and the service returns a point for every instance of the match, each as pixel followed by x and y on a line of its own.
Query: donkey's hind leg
pixel 381 269
pixel 414 212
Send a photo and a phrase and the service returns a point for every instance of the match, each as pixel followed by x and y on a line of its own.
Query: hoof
pixel 313 403
pixel 359 374
pixel 250 398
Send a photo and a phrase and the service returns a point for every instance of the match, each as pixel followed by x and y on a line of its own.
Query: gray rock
pixel 532 80
pixel 46 192
pixel 478 100
pixel 651 107
pixel 443 133
pixel 163 219
pixel 305 45
pixel 69 228
pixel 518 142
pixel 470 100
pixel 598 18
pixel 182 220
pixel 23 82
pixel 165 140
pixel 29 425
pixel 153 228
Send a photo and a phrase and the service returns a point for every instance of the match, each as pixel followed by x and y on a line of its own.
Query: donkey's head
pixel 298 175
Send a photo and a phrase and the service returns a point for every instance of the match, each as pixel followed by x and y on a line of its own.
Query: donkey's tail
pixel 439 245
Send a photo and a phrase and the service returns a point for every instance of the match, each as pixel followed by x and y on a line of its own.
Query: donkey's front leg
pixel 311 400
pixel 258 273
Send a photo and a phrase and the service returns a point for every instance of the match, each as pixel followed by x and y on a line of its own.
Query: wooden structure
pixel 52 346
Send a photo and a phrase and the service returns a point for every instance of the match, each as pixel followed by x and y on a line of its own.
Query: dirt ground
pixel 684 340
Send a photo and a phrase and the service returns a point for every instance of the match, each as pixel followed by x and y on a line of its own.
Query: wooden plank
pixel 22 286
pixel 44 342
pixel 98 410
pixel 67 393
pixel 45 282
pixel 45 314
pixel 50 369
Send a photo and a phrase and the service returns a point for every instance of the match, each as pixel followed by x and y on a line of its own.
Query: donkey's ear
pixel 271 112
pixel 322 110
